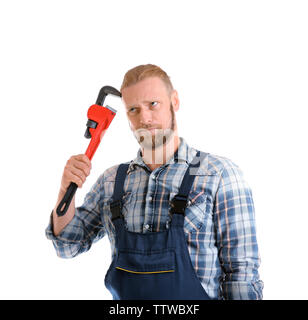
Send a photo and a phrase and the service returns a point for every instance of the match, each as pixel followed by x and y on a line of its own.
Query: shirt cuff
pixel 240 290
pixel 62 237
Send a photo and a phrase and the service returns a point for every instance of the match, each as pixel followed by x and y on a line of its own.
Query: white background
pixel 240 68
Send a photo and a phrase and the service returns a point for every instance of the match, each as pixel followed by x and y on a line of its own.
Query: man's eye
pixel 131 110
pixel 154 103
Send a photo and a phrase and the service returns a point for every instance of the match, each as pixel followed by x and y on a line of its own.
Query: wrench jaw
pixel 104 92
pixel 111 109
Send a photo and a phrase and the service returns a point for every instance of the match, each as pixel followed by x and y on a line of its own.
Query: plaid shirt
pixel 219 222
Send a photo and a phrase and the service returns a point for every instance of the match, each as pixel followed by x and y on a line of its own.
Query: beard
pixel 161 137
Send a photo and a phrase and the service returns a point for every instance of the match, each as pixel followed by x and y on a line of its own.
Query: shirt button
pixel 150 198
pixel 153 176
pixel 147 226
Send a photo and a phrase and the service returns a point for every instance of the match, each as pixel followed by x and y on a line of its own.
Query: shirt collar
pixel 183 154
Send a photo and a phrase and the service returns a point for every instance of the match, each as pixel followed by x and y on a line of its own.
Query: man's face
pixel 150 111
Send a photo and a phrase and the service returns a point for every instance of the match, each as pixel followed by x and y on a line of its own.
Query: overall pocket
pixel 146 262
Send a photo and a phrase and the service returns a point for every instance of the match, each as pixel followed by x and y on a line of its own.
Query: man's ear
pixel 175 100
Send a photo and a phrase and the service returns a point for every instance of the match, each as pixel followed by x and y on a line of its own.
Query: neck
pixel 156 157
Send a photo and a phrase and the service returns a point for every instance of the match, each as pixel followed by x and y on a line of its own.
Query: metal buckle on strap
pixel 116 209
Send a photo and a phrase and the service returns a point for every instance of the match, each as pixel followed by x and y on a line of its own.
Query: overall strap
pixel 116 204
pixel 180 201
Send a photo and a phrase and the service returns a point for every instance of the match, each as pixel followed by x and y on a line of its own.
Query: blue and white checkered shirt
pixel 219 222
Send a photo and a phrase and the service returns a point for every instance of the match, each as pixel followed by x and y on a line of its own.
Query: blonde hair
pixel 144 71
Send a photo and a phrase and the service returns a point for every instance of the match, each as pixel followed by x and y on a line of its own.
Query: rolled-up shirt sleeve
pixel 234 216
pixel 84 229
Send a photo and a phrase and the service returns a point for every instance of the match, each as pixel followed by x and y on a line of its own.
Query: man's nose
pixel 145 117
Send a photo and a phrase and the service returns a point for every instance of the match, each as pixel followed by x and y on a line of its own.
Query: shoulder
pixel 226 175
pixel 214 164
pixel 110 173
pixel 105 182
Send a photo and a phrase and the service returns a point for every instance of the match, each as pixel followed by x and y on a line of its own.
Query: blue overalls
pixel 154 265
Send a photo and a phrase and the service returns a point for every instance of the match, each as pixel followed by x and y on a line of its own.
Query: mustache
pixel 149 127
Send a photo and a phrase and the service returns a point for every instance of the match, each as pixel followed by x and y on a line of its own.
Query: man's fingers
pixel 81 163
pixel 77 172
pixel 71 177
pixel 77 169
pixel 81 166
pixel 84 158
